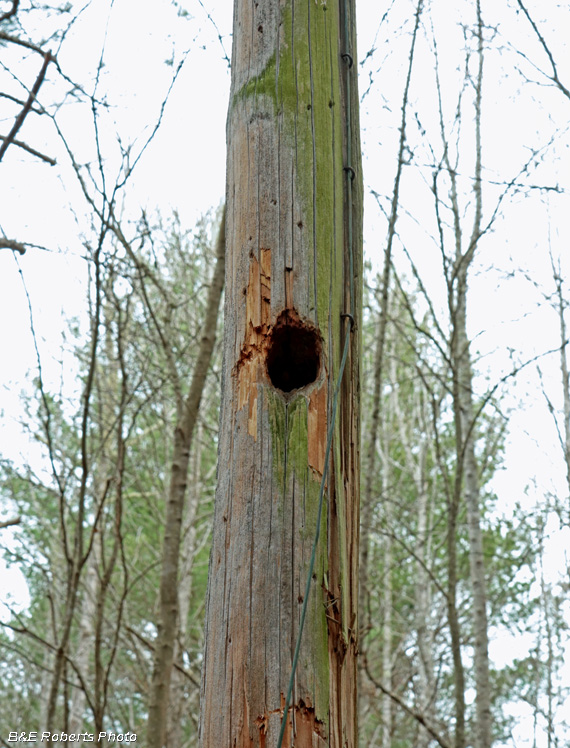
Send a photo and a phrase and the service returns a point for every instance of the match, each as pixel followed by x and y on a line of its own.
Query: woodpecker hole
pixel 293 353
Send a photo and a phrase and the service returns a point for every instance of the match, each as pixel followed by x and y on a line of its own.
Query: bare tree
pixel 467 472
pixel 187 410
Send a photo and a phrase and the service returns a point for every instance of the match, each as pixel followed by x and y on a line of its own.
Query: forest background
pixel 103 315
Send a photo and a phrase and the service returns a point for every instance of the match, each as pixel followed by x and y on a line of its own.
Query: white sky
pixel 184 169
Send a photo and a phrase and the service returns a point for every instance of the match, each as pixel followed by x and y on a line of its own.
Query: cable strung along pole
pixel 280 638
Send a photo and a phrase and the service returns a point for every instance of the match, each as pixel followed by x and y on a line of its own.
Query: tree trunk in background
pixel 468 468
pixel 389 499
pixel 183 433
pixel 84 648
pixel 464 414
pixel 387 601
pixel 423 592
pixel 564 433
pixel 178 692
pixel 47 665
pixel 287 285
pixel 453 616
pixel 412 423
pixel 367 501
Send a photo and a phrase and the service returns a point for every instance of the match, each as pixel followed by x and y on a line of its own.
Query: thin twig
pixel 220 39
pixel 418 716
pixel 554 77
pixel 29 149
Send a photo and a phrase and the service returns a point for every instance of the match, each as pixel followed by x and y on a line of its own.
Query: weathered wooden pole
pixel 293 280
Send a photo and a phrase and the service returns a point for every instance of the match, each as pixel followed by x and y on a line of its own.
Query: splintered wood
pixel 309 731
pixel 250 367
pixel 287 277
pixel 257 326
pixel 317 429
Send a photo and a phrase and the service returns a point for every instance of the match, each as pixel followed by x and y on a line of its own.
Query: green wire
pixel 315 542
pixel 350 176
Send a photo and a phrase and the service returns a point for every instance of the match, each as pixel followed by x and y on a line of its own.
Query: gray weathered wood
pixel 287 265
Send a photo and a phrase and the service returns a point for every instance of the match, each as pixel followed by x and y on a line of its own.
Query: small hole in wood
pixel 293 354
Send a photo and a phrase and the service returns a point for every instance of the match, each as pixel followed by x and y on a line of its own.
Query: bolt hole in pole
pixel 293 354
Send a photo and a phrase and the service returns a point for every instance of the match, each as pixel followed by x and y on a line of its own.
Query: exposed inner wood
pixel 287 269
pixel 258 316
pixel 309 731
pixel 299 362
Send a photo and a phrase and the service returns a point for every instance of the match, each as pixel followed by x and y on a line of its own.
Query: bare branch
pixel 11 244
pixel 29 149
pixel 18 101
pixel 22 43
pixel 10 522
pixel 418 716
pixel 47 422
pixel 151 647
pixel 554 76
pixel 27 106
pixel 9 13
pixel 215 25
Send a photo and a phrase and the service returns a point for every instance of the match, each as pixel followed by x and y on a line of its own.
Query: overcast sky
pixel 184 170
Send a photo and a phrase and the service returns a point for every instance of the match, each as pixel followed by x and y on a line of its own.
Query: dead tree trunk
pixel 293 270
